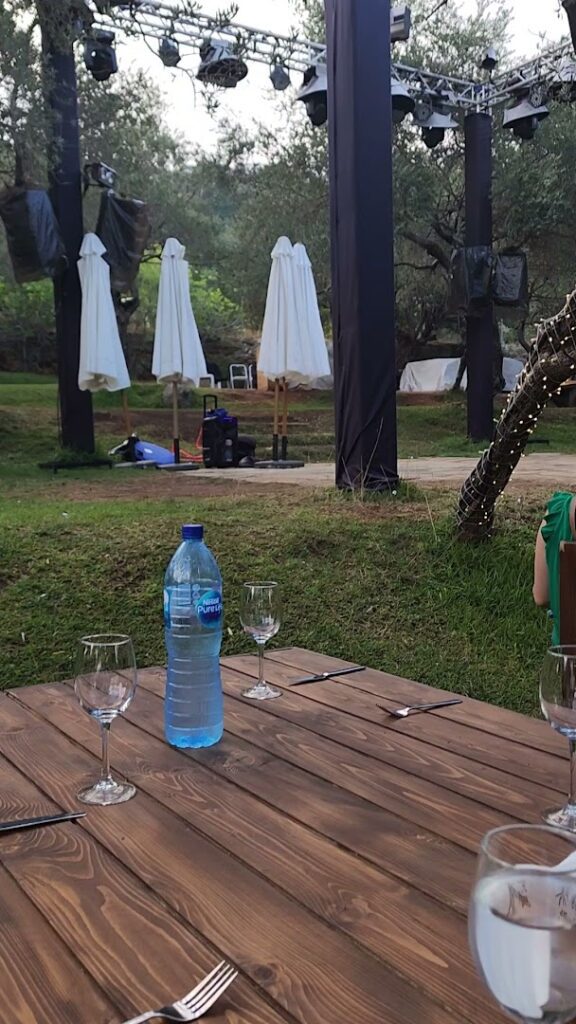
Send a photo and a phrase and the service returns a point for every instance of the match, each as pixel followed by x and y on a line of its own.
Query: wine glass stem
pixel 572 796
pixel 105 775
pixel 261 681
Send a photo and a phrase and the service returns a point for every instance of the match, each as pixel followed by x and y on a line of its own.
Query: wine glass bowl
pixel 522 921
pixel 105 684
pixel 558 703
pixel 260 609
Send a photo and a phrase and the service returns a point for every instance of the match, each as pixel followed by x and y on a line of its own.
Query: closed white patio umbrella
pixel 315 361
pixel 102 362
pixel 178 356
pixel 281 357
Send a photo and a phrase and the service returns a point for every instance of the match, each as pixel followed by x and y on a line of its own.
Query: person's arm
pixel 540 589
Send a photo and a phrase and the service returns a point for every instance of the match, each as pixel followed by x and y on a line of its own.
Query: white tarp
pixel 440 375
pixel 178 356
pixel 430 375
pixel 102 363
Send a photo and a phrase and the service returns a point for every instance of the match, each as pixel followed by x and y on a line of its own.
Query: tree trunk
pixel 551 361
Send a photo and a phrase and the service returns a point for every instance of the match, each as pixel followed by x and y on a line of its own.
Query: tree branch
pixel 434 249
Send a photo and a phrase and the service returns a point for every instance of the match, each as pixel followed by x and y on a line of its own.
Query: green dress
pixel 557 527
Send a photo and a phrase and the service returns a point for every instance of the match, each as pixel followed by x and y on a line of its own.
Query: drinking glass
pixel 105 684
pixel 260 618
pixel 522 921
pixel 558 701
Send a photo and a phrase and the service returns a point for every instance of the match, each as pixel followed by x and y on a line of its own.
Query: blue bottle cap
pixel 192 531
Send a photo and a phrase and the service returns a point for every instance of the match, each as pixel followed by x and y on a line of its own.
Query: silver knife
pixel 46 819
pixel 327 675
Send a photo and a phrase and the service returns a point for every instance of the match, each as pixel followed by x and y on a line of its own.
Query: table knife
pixel 46 819
pixel 327 675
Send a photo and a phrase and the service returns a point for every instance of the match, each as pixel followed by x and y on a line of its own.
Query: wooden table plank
pixel 310 969
pixel 482 716
pixel 381 837
pixel 414 934
pixel 526 760
pixel 41 982
pixel 325 849
pixel 117 929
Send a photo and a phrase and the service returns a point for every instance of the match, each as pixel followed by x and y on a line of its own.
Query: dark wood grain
pixel 310 969
pixel 414 934
pixel 473 713
pixel 326 850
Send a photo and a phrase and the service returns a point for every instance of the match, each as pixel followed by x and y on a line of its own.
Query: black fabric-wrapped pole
pixel 66 194
pixel 479 328
pixel 362 229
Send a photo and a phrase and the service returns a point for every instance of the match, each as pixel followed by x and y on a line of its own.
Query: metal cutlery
pixel 319 676
pixel 404 712
pixel 46 819
pixel 198 1001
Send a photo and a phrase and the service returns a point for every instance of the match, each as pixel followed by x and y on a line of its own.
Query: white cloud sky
pixel 532 20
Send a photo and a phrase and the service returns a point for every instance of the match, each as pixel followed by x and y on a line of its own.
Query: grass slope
pixel 383 583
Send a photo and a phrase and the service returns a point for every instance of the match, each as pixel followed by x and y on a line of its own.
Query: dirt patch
pixel 155 485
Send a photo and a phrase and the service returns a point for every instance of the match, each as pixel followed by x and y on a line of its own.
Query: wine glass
pixel 558 701
pixel 105 684
pixel 260 618
pixel 522 921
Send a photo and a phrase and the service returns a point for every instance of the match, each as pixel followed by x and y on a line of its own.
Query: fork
pixel 404 712
pixel 198 1001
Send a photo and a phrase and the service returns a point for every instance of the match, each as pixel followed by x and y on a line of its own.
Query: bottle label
pixel 189 602
pixel 209 608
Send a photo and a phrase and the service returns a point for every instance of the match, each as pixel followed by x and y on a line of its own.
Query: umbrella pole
pixel 126 411
pixel 276 412
pixel 175 428
pixel 284 454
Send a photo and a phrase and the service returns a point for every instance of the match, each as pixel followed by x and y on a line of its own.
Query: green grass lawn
pixel 28 423
pixel 383 583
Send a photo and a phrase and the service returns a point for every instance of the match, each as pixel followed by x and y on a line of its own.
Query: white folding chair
pixel 207 381
pixel 238 375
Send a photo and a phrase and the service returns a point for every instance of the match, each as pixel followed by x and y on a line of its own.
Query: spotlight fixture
pixel 434 118
pixel 400 23
pixel 100 55
pixel 523 117
pixel 169 52
pixel 314 94
pixel 280 77
pixel 490 59
pixel 99 174
pixel 220 65
pixel 402 102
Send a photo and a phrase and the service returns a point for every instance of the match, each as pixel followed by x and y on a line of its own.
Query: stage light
pixel 99 174
pixel 490 59
pixel 169 52
pixel 523 117
pixel 280 77
pixel 400 23
pixel 402 101
pixel 434 119
pixel 220 65
pixel 99 55
pixel 314 94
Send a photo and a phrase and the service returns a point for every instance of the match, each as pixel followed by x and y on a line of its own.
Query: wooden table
pixel 326 849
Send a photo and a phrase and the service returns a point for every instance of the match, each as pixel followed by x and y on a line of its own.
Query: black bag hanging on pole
pixel 510 285
pixel 124 229
pixel 34 243
pixel 471 271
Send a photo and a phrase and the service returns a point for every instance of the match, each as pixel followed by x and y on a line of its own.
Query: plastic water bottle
pixel 193 715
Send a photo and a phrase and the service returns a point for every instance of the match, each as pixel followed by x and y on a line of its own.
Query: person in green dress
pixel 558 524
